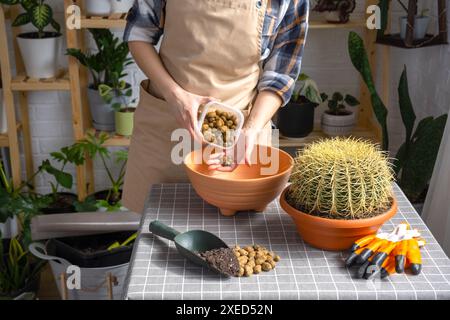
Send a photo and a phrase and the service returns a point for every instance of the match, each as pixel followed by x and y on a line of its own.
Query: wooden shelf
pixel 317 135
pixel 117 141
pixel 25 83
pixel 4 138
pixel 319 24
pixel 115 20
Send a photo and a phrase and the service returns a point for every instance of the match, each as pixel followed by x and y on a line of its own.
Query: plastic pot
pixel 247 187
pixel 44 64
pixel 94 281
pixel 334 234
pixel 62 207
pixel 296 120
pixel 102 113
pixel 119 6
pixel 98 7
pixel 77 250
pixel 420 27
pixel 125 121
pixel 338 125
pixel 10 228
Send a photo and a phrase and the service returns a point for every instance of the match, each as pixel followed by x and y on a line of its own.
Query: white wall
pixel 326 60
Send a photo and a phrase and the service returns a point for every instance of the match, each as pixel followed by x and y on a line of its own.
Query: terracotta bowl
pixel 331 234
pixel 244 189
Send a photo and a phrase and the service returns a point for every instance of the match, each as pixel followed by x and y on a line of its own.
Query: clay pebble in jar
pixel 219 127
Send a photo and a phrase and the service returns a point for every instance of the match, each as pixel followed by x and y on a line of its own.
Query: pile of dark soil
pixel 222 259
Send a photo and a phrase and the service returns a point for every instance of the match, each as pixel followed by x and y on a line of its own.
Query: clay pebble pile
pixel 255 259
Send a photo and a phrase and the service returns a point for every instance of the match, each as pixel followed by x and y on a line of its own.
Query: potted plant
pixel 336 11
pixel 124 113
pixel 98 7
pixel 106 66
pixel 296 119
pixel 119 6
pixel 19 271
pixel 338 120
pixel 416 157
pixel 46 43
pixel 421 23
pixel 105 200
pixel 58 201
pixel 341 190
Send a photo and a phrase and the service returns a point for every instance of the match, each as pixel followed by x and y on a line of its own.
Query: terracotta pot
pixel 331 234
pixel 246 188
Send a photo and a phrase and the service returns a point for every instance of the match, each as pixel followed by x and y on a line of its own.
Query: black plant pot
pixel 92 251
pixel 62 207
pixel 296 120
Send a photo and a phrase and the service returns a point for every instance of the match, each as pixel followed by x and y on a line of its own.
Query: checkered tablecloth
pixel 157 271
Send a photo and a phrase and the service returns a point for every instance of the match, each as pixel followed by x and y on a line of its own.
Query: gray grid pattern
pixel 157 271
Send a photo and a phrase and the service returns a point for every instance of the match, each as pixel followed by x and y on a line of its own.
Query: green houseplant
pixel 106 66
pixel 296 119
pixel 19 271
pixel 58 201
pixel 341 190
pixel 416 158
pixel 336 11
pixel 47 43
pixel 93 146
pixel 338 120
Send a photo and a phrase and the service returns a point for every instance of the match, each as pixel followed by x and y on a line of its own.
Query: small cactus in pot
pixel 341 189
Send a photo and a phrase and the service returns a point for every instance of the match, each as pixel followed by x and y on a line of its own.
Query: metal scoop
pixel 190 243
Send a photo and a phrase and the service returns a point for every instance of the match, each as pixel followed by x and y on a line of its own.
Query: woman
pixel 246 53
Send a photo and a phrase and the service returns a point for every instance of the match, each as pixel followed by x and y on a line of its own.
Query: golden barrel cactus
pixel 341 178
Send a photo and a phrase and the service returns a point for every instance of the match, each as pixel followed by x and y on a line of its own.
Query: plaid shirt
pixel 284 33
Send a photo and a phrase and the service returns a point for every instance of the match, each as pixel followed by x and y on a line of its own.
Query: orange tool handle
pixel 362 242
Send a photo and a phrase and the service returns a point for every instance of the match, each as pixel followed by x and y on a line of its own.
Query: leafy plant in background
pixel 306 89
pixel 117 94
pixel 107 65
pixel 36 12
pixel 93 146
pixel 358 56
pixel 19 202
pixel 415 159
pixel 17 267
pixel 338 103
pixel 62 178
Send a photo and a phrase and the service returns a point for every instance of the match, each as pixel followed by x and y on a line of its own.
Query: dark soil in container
pixel 35 35
pixel 64 204
pixel 102 195
pixel 222 259
pixel 92 251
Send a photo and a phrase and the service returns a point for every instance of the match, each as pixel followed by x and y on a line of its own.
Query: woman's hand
pixel 185 108
pixel 241 153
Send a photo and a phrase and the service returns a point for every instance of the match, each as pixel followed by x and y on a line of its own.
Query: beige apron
pixel 210 48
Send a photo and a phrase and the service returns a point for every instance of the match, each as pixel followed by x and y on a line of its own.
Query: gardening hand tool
pixel 189 244
pixel 387 253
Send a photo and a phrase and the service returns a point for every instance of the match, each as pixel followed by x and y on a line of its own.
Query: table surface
pixel 157 271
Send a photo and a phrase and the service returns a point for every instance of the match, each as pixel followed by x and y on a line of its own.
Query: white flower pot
pixel 338 125
pixel 121 5
pixel 98 7
pixel 9 229
pixel 3 123
pixel 40 55
pixel 420 27
pixel 94 281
